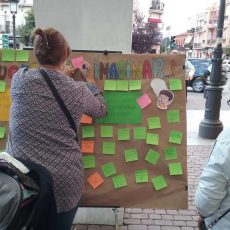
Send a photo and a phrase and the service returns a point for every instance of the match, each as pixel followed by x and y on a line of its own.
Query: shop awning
pixel 188 40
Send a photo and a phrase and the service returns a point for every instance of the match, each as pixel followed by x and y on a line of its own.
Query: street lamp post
pixel 13 10
pixel 211 126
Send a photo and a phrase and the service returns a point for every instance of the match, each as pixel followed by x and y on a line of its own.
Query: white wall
pixel 89 24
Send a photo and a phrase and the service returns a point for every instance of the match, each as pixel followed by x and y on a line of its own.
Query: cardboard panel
pixel 146 146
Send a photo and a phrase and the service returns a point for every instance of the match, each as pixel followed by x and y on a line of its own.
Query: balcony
pixel 157 7
pixel 197 45
pixel 198 28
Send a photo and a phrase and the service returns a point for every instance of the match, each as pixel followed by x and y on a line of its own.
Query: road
pixel 196 101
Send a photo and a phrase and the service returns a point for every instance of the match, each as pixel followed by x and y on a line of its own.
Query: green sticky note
pixel 152 139
pixel 159 182
pixel 108 148
pixel 170 153
pixel 141 176
pixel 89 162
pixel 123 134
pixel 2 86
pixel 122 85
pixel 110 85
pixel 109 169
pixel 175 137
pixel 8 55
pixel 122 108
pixel 175 169
pixel 152 157
pixel 22 55
pixel 139 133
pixel 173 116
pixel 119 181
pixel 135 85
pixel 175 84
pixel 87 131
pixel 154 122
pixel 2 132
pixel 131 155
pixel 106 131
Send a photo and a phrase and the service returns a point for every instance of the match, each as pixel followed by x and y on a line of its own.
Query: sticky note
pixel 135 85
pixel 87 131
pixel 175 137
pixel 22 55
pixel 109 169
pixel 110 85
pixel 175 84
pixel 159 182
pixel 2 86
pixel 78 62
pixel 8 55
pixel 144 101
pixel 152 139
pixel 123 134
pixel 95 180
pixel 122 85
pixel 108 148
pixel 119 181
pixel 87 146
pixel 89 161
pixel 141 176
pixel 170 153
pixel 106 131
pixel 139 133
pixel 5 103
pixel 152 157
pixel 85 119
pixel 131 155
pixel 154 122
pixel 175 169
pixel 2 132
pixel 173 116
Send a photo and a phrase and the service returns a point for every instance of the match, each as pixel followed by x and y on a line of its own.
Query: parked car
pixel 199 79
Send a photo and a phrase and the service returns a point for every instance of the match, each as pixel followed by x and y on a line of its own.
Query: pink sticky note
pixel 78 62
pixel 143 101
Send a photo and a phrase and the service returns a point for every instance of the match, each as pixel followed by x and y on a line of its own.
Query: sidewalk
pixel 155 219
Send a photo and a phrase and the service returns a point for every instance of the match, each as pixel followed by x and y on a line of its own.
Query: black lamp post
pixel 211 126
pixel 13 10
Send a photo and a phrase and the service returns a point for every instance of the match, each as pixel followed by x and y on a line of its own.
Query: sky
pixel 176 13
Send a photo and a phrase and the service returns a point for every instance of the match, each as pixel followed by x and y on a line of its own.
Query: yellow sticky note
pixel 5 103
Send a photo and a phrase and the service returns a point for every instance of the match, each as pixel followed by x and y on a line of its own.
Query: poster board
pixel 139 157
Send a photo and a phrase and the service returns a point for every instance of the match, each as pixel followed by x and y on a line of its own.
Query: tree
pixel 144 35
pixel 25 30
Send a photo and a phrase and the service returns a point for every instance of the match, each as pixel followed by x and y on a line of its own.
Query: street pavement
pixel 198 151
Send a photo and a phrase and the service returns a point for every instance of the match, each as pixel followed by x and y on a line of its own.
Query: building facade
pixel 6 20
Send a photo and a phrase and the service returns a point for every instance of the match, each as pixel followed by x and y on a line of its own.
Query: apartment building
pixel 201 37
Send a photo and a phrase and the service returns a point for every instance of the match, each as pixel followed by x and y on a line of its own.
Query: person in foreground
pixel 38 129
pixel 212 196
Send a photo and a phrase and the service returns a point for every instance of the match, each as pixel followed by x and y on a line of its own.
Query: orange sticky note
pixel 95 180
pixel 87 146
pixel 85 119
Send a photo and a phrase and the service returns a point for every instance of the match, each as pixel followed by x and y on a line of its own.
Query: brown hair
pixel 167 93
pixel 50 46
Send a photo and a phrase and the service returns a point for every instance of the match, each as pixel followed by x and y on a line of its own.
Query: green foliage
pixel 227 51
pixel 144 35
pixel 25 30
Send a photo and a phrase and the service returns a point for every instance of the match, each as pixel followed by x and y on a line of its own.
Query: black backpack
pixel 18 195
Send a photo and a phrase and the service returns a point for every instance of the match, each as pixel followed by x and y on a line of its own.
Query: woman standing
pixel 39 130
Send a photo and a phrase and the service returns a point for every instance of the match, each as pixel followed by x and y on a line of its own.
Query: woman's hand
pixel 69 70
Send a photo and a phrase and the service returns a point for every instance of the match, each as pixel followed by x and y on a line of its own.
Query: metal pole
pixel 211 126
pixel 14 32
pixel 115 210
